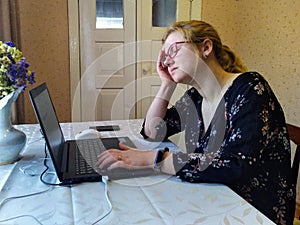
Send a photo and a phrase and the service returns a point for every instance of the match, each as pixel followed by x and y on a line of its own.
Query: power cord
pixel 28 195
pixel 47 168
pixel 21 216
pixel 105 181
pixel 22 196
pixel 29 172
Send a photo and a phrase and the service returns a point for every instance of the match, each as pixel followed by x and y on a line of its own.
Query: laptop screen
pixel 49 123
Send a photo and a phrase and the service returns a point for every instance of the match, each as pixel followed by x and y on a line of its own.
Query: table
pixel 151 200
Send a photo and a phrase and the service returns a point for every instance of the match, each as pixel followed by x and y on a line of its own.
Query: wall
pixel 44 43
pixel 265 35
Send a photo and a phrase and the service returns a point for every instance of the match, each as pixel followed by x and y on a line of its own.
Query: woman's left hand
pixel 125 157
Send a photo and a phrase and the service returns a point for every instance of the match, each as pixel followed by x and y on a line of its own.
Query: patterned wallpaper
pixel 265 34
pixel 44 41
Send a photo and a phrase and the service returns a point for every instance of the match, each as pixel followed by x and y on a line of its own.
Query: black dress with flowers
pixel 245 147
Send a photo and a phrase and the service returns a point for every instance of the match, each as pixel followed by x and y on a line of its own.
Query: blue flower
pixel 14 72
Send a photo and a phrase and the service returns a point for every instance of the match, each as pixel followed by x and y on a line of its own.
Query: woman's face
pixel 180 58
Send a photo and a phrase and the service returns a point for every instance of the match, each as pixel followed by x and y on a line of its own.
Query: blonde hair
pixel 196 32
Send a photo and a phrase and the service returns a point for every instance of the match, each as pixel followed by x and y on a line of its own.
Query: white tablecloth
pixel 149 200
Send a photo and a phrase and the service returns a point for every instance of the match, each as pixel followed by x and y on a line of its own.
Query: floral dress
pixel 246 145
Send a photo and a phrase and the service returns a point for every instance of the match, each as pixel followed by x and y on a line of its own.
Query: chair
pixel 294 133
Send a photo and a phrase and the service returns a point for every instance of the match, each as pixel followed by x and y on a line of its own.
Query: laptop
pixel 73 161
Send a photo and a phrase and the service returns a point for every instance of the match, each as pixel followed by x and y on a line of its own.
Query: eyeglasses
pixel 173 49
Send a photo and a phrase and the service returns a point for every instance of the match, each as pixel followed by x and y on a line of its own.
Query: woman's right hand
pixel 162 69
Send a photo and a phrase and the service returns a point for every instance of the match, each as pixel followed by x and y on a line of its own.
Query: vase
pixel 12 140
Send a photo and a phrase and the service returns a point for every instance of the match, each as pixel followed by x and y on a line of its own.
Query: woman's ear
pixel 207 48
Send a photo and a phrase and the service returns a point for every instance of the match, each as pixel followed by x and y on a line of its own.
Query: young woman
pixel 235 131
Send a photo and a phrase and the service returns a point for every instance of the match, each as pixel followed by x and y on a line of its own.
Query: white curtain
pixel 9 31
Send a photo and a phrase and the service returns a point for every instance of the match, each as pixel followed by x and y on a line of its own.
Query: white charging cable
pixel 105 180
pixel 22 196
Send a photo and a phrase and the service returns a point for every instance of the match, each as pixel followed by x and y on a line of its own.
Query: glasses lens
pixel 172 51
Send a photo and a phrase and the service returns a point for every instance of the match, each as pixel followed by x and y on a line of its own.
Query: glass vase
pixel 12 140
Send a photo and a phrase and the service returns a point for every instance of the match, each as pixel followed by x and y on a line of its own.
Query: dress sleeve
pixel 254 127
pixel 174 120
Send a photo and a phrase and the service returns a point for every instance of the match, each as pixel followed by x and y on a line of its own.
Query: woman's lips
pixel 173 69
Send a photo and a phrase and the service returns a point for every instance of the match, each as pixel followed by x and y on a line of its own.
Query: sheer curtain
pixel 9 31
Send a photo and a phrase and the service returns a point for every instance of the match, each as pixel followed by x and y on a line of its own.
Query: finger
pixel 119 164
pixel 105 162
pixel 123 146
pixel 107 152
pixel 103 155
pixel 161 59
pixel 107 157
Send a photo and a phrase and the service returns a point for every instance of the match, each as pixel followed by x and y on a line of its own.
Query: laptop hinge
pixel 65 158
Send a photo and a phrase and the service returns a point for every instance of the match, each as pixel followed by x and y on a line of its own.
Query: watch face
pixel 159 156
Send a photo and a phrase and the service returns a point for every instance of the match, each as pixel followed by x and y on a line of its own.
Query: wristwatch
pixel 158 159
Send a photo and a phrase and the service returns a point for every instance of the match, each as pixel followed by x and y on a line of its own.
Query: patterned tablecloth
pixel 162 199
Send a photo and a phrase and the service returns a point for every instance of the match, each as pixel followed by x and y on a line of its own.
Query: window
pixel 163 12
pixel 109 14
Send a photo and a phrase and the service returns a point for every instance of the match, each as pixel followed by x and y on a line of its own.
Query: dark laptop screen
pixel 49 123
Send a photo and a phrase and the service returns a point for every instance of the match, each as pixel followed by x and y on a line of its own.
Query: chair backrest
pixel 294 133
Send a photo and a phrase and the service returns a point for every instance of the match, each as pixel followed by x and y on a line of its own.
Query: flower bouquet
pixel 14 78
pixel 14 71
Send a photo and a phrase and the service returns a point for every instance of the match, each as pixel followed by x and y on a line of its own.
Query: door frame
pixel 76 89
pixel 74 50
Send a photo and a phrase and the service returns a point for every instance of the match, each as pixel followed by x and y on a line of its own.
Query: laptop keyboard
pixel 86 155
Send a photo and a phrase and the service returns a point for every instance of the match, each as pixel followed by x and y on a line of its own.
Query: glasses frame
pixel 172 56
pixel 176 48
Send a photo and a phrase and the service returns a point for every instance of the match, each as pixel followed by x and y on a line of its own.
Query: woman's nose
pixel 168 61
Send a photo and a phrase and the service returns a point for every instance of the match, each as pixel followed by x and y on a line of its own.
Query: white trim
pixel 74 51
